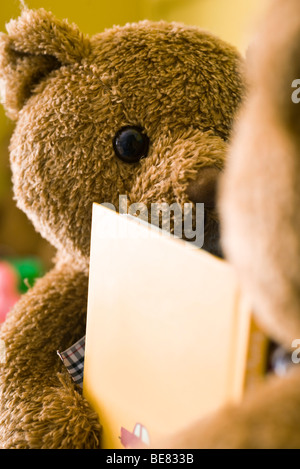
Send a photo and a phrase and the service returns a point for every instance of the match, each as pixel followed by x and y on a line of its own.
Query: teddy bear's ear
pixel 35 44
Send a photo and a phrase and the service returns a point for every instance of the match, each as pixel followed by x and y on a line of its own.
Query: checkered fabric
pixel 73 359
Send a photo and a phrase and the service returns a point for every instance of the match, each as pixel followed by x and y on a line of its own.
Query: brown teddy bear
pixel 259 205
pixel 143 110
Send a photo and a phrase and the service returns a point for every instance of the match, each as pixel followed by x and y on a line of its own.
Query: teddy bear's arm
pixel 266 419
pixel 40 406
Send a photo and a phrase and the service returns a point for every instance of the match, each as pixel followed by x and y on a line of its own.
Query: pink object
pixel 8 289
pixel 138 439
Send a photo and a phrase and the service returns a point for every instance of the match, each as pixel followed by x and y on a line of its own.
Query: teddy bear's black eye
pixel 131 144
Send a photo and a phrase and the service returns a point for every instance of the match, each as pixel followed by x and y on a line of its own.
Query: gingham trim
pixel 73 359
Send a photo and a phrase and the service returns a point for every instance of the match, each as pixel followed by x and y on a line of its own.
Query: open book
pixel 169 336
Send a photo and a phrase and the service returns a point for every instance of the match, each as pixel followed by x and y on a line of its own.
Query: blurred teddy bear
pixel 259 204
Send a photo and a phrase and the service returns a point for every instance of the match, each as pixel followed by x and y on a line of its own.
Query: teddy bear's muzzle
pixel 203 189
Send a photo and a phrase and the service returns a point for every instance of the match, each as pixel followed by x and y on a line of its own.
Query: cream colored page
pixel 161 316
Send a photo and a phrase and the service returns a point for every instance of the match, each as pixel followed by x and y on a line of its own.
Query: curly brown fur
pixel 69 96
pixel 40 406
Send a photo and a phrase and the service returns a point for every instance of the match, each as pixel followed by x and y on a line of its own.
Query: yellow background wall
pixel 232 20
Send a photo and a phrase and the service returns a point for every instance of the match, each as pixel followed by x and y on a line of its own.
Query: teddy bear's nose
pixel 203 189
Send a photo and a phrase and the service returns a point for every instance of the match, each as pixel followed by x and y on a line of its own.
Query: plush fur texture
pixel 69 95
pixel 259 205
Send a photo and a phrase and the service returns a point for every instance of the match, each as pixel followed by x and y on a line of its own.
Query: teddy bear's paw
pixel 59 418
